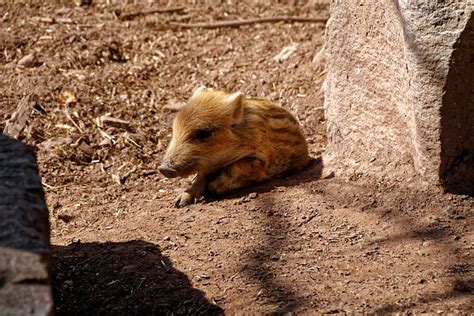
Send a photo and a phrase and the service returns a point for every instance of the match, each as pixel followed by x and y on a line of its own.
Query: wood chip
pixel 27 60
pixel 105 119
pixel 56 142
pixel 174 105
pixel 286 52
pixel 15 125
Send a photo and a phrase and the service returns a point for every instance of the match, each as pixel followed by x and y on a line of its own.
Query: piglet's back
pixel 280 137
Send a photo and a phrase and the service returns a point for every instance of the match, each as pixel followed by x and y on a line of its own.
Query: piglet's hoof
pixel 184 199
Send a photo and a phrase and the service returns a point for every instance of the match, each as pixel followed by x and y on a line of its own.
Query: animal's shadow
pixel 122 278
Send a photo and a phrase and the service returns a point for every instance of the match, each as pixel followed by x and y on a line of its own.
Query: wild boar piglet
pixel 230 141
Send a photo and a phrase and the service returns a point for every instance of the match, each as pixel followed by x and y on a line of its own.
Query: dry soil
pixel 102 81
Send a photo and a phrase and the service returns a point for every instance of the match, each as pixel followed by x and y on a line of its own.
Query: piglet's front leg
pixel 238 174
pixel 193 193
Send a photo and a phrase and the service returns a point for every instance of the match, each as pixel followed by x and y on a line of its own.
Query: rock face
pixel 24 234
pixel 400 90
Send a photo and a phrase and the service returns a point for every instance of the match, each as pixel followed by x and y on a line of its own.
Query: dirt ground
pixel 101 81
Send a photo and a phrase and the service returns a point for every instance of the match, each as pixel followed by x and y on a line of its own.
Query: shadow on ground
pixel 124 278
pixel 460 288
pixel 406 210
pixel 261 264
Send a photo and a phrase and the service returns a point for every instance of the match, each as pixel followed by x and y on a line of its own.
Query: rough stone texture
pixel 24 234
pixel 399 96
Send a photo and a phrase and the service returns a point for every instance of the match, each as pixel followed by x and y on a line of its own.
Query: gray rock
pixel 398 94
pixel 24 234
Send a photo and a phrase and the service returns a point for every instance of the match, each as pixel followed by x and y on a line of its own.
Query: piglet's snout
pixel 167 169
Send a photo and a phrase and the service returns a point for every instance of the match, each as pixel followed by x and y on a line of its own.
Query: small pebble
pixel 252 195
pixel 27 60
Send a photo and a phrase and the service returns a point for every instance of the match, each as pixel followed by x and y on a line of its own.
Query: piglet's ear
pixel 198 91
pixel 234 101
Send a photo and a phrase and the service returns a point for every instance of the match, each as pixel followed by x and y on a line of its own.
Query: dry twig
pixel 133 15
pixel 52 20
pixel 237 23
pixel 309 219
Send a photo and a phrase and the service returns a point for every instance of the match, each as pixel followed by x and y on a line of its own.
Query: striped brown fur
pixel 235 139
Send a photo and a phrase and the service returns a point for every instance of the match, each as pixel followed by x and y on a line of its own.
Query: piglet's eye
pixel 203 134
